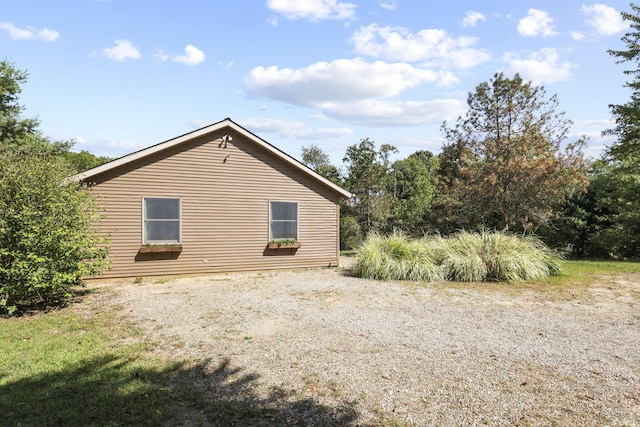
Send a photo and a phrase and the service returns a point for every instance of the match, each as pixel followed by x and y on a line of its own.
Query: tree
pixel 48 240
pixel 13 128
pixel 413 187
pixel 83 160
pixel 368 179
pixel 614 221
pixel 506 165
pixel 614 190
pixel 627 116
pixel 315 158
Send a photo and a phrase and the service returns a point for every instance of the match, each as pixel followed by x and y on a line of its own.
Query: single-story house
pixel 216 199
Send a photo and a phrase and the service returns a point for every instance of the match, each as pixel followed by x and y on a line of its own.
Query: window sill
pixel 284 245
pixel 160 248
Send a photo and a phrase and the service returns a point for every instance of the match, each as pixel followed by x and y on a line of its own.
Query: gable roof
pixel 83 176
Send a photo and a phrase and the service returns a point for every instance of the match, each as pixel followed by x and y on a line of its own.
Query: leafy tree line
pixel 505 165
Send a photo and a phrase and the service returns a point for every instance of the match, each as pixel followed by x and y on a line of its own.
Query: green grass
pixel 577 281
pixel 575 273
pixel 60 368
pixel 590 268
pixel 73 368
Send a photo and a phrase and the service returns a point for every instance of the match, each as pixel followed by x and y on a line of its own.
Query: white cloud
pixel 313 10
pixel 540 67
pixel 227 65
pixel 192 56
pixel 577 35
pixel 605 19
pixel 159 55
pixel 270 125
pixel 122 50
pixel 342 80
pixel 109 148
pixel 536 23
pixel 198 123
pixel 354 90
pixel 472 18
pixel 321 133
pixel 434 46
pixel 592 129
pixel 293 129
pixel 396 113
pixel 388 4
pixel 29 33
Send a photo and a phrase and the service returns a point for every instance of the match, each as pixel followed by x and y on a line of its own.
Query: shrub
pixel 463 257
pixel 47 238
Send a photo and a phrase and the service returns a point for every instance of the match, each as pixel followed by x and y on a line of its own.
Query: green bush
pixel 48 242
pixel 463 257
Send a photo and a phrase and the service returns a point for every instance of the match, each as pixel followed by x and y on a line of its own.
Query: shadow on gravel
pixel 111 391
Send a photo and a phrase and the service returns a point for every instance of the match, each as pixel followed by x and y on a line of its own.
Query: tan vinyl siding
pixel 225 209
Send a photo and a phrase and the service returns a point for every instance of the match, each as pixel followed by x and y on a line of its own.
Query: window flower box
pixel 160 248
pixel 284 244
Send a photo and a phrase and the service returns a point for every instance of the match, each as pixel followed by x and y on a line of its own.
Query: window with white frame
pixel 161 220
pixel 283 221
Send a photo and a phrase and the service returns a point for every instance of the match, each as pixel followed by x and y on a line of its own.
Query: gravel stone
pixel 416 354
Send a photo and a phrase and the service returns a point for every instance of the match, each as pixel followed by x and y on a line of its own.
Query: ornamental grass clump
pixel 395 257
pixel 463 257
pixel 496 256
pixel 518 259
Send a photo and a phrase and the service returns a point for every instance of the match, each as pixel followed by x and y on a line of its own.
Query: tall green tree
pixel 48 239
pixel 413 186
pixel 627 116
pixel 82 160
pixel 368 179
pixel 510 165
pixel 14 129
pixel 614 190
pixel 315 158
pixel 604 222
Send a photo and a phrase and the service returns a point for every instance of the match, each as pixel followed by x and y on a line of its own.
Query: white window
pixel 283 220
pixel 161 220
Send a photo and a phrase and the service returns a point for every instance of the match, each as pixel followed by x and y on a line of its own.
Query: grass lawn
pixel 69 368
pixel 75 367
pixel 60 368
pixel 573 283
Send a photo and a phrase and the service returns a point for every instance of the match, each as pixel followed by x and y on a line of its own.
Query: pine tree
pixel 511 170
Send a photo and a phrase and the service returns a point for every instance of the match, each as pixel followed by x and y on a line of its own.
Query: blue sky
pixel 121 75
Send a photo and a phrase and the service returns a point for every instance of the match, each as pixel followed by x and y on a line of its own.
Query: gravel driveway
pixel 406 353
